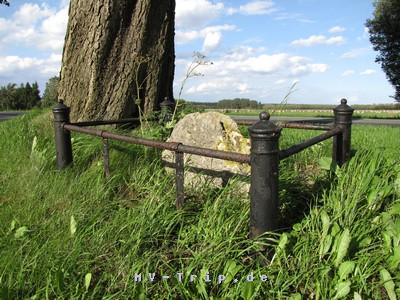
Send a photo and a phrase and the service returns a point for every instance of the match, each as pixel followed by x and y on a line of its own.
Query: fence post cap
pixel 60 107
pixel 264 126
pixel 343 107
pixel 167 102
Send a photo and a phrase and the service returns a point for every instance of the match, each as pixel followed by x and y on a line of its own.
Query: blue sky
pixel 258 49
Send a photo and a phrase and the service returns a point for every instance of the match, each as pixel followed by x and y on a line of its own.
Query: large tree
pixel 384 29
pixel 117 54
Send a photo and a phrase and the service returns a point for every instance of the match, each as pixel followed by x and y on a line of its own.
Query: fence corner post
pixel 62 136
pixel 167 108
pixel 342 142
pixel 264 156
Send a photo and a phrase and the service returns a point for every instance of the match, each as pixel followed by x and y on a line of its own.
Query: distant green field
pixel 75 234
pixel 368 114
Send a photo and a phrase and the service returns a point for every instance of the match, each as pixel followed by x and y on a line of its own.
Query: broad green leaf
pixel 345 269
pixel 335 229
pixel 282 242
pixel 342 289
pixel 365 242
pixel 373 195
pixel 230 270
pixel 387 241
pixel 394 260
pixel 343 246
pixel 325 163
pixel 395 209
pixel 388 284
pixel 325 245
pixel 325 222
pixel 88 279
pixel 20 232
pixel 296 296
pixel 72 226
pixel 12 226
pixel 247 290
pixel 397 184
pixel 357 296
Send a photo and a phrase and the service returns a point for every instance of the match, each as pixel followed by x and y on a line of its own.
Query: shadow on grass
pixel 297 195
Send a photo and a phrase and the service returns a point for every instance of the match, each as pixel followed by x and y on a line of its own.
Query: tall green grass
pixel 75 234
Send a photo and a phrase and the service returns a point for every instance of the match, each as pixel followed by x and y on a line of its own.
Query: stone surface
pixel 210 130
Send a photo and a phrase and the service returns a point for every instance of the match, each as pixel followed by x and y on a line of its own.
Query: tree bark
pixel 116 52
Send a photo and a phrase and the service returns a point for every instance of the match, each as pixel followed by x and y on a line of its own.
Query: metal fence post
pixel 264 198
pixel 342 142
pixel 167 108
pixel 62 136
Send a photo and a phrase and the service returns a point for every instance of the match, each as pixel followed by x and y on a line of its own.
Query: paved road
pixel 9 115
pixel 385 122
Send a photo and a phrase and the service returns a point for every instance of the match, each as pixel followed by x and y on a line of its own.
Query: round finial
pixel 343 101
pixel 265 116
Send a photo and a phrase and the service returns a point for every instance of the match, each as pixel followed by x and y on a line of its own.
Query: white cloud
pixel 269 64
pixel 196 13
pixel 283 16
pixel 30 13
pixel 35 26
pixel 14 66
pixel 348 73
pixel 212 36
pixel 354 53
pixel 212 41
pixel 248 71
pixel 318 40
pixel 182 37
pixel 280 81
pixel 368 72
pixel 220 86
pixel 254 8
pixel 337 29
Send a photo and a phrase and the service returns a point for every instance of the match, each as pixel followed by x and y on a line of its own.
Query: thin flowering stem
pixel 198 61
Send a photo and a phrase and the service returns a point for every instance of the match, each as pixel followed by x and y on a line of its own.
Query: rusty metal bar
pixel 106 122
pixel 232 156
pixel 225 155
pixel 315 140
pixel 106 157
pixel 294 125
pixel 180 179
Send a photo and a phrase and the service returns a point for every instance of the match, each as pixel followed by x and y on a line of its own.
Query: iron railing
pixel 264 154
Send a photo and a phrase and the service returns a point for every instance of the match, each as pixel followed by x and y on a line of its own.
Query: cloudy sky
pixel 258 49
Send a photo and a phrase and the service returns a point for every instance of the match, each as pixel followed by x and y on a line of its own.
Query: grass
pixel 77 235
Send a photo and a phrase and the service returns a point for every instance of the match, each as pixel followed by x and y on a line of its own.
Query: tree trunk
pixel 116 52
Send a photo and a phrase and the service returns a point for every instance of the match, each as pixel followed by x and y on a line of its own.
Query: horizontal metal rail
pixel 294 125
pixel 308 143
pixel 177 147
pixel 106 122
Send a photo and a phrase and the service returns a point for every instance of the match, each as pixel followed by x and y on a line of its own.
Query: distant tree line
pixel 27 96
pixel 237 103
